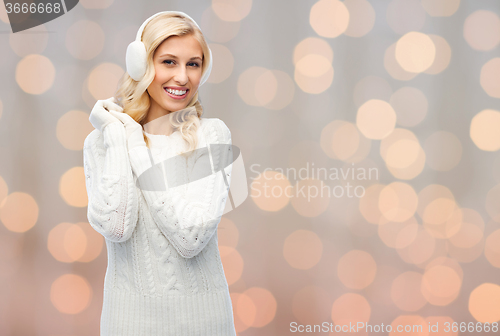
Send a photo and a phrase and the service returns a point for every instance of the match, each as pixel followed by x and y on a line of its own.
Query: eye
pixel 195 64
pixel 167 61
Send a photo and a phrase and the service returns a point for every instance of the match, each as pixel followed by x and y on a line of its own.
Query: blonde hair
pixel 132 95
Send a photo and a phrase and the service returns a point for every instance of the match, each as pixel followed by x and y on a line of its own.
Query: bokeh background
pixel 406 89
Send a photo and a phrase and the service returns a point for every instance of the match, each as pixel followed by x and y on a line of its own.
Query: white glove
pixel 100 116
pixel 135 136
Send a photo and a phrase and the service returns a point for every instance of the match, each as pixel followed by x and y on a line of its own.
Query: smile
pixel 176 94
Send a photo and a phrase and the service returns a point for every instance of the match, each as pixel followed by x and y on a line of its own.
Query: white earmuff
pixel 135 58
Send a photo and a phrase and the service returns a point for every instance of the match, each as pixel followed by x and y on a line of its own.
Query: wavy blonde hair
pixel 132 95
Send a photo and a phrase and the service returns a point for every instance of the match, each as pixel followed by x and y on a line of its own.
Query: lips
pixel 175 96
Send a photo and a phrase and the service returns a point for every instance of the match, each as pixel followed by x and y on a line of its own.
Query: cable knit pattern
pixel 164 274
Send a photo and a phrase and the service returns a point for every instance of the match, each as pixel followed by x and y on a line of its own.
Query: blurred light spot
pixel 345 140
pixel 490 72
pixel 420 249
pixel 218 30
pixel 465 254
pixel 67 242
pixel 443 55
pixel 311 305
pixel 368 204
pixel 265 304
pixel 356 269
pixel 103 80
pixel 302 249
pixel 33 43
pixel 492 248
pixel 350 308
pixel 404 16
pixel 245 311
pixel 410 105
pixel 400 141
pixel 223 63
pixel 431 193
pixel 402 153
pixel 257 86
pixel 412 170
pixel 313 73
pixel 329 18
pixel 96 4
pixel 361 17
pixel 311 197
pixel 19 212
pixel 443 150
pixel 376 119
pixel 35 74
pixel 482 30
pixel 405 291
pixel 72 129
pixel 314 46
pixel 72 187
pixel 484 303
pixel 393 67
pixel 285 90
pixel 439 210
pixel 74 242
pixel 70 294
pixel 437 225
pixel 271 191
pixel 85 39
pixel 471 230
pixel 484 129
pixel 232 262
pixel 440 7
pixel 398 235
pixel 413 325
pixel 227 233
pixel 371 87
pixel 231 10
pixel 415 52
pixel 440 285
pixel 398 202
pixel 335 145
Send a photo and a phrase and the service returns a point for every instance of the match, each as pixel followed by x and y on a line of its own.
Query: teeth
pixel 176 92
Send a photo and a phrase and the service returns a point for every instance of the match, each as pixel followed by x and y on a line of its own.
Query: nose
pixel 181 77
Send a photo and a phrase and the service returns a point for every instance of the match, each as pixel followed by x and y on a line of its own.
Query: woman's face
pixel 178 62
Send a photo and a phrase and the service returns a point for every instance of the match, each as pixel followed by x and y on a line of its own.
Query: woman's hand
pixel 100 116
pixel 135 136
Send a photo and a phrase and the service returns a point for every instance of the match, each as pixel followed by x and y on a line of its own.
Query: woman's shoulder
pixel 94 141
pixel 217 129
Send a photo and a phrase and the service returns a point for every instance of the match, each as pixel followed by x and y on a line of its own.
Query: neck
pixel 157 120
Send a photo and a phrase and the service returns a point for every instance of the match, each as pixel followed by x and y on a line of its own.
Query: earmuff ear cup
pixel 135 60
pixel 209 69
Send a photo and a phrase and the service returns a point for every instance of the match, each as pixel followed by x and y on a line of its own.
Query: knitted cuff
pixel 115 135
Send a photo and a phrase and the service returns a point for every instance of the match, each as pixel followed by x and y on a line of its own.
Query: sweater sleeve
pixel 188 213
pixel 112 197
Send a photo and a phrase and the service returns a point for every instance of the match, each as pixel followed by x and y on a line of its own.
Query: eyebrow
pixel 192 58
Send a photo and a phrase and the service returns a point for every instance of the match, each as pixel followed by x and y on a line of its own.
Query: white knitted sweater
pixel 164 273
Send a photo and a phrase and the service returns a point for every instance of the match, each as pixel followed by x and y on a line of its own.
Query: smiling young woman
pixel 164 274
